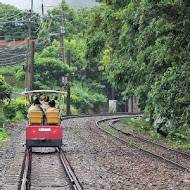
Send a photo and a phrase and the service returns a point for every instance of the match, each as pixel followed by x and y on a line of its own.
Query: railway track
pixel 47 168
pixel 116 115
pixel 177 158
pixel 43 170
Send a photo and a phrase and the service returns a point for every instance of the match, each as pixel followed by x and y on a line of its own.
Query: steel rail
pixel 24 171
pixel 146 140
pixel 72 177
pixel 24 182
pixel 100 115
pixel 141 149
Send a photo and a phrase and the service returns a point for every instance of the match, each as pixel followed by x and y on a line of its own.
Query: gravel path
pixel 99 161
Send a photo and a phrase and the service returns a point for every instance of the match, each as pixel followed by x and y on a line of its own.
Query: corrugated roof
pixel 19 42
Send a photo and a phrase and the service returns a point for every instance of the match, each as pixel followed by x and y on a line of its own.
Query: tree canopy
pixel 139 46
pixel 5 88
pixel 150 54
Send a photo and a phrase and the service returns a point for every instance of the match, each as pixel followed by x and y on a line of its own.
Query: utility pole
pixel 62 47
pixel 68 87
pixel 28 52
pixel 42 8
pixel 62 32
pixel 31 68
pixel 28 75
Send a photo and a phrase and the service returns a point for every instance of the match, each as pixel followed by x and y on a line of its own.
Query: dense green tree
pixel 14 23
pixel 153 44
pixel 5 88
pixel 139 46
pixel 49 70
pixel 74 23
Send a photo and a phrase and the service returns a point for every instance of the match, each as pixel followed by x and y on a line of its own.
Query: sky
pixel 26 4
pixel 37 4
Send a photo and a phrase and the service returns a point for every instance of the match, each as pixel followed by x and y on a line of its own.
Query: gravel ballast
pixel 99 161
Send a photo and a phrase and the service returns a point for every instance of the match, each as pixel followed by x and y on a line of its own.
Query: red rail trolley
pixel 44 129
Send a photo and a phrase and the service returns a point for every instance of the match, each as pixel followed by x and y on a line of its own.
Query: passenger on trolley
pixel 52 107
pixel 56 102
pixel 52 114
pixel 35 106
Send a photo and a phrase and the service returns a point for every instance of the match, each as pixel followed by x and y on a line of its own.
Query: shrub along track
pixel 175 157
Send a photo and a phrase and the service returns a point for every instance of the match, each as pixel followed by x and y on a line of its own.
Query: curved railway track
pixel 43 169
pixel 116 115
pixel 177 158
pixel 185 154
pixel 47 169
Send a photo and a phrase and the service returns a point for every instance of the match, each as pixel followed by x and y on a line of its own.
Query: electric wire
pixel 10 48
pixel 5 54
pixel 13 16
pixel 44 27
pixel 23 50
pixel 12 59
pixel 13 62
pixel 38 27
pixel 18 21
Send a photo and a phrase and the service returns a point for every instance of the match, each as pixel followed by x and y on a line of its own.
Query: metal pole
pixel 68 87
pixel 28 58
pixel 31 6
pixel 42 8
pixel 62 31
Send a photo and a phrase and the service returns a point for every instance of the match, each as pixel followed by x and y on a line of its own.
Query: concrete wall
pixel 112 106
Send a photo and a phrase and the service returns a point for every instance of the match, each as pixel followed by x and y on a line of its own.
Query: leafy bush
pixel 72 109
pixel 12 108
pixel 170 96
pixel 141 123
pixel 19 116
pixel 5 88
pixel 3 135
pixel 84 99
pixel 1 120
pixel 9 109
pixel 182 134
pixel 155 135
pixel 20 106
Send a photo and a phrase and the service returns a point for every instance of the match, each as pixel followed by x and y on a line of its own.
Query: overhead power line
pixel 22 19
pixel 5 54
pixel 13 63
pixel 20 59
pixel 14 50
pixel 11 59
pixel 12 16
